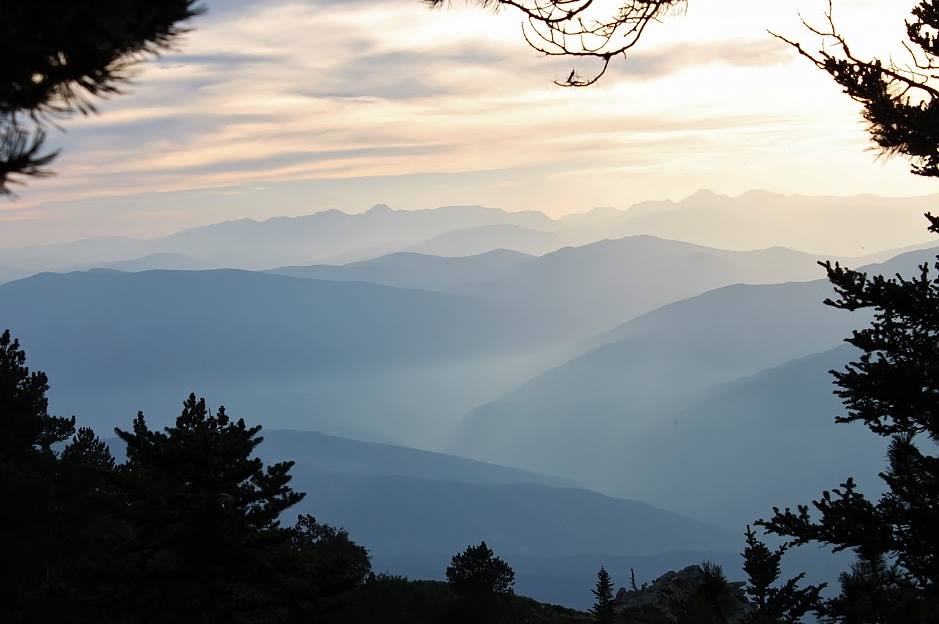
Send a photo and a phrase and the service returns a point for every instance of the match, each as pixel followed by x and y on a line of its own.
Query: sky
pixel 287 107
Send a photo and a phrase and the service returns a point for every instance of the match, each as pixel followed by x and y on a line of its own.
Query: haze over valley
pixel 598 368
pixel 496 312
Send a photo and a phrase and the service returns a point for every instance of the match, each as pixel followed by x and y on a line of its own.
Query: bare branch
pixel 585 29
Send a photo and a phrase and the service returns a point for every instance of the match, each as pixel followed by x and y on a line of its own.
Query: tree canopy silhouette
pixel 900 100
pixel 585 29
pixel 771 601
pixel 477 570
pixel 482 583
pixel 59 56
pixel 204 515
pixel 892 388
pixel 50 522
pixel 603 598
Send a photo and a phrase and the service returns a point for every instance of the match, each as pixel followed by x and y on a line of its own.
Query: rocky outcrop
pixel 665 599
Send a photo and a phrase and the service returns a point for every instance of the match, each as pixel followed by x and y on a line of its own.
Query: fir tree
pixel 603 598
pixel 771 602
pixel 27 428
pixel 203 514
pixel 31 488
pixel 893 389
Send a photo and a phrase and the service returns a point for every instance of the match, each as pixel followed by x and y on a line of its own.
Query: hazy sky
pixel 282 107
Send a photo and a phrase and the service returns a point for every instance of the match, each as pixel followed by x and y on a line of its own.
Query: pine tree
pixel 203 514
pixel 31 488
pixel 477 570
pixel 27 431
pixel 60 55
pixel 481 581
pixel 603 598
pixel 771 602
pixel 893 389
pixel 899 99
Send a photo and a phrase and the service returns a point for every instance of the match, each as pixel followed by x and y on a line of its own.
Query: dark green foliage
pixel 481 582
pixel 31 487
pixel 328 565
pixel 186 530
pixel 714 601
pixel 603 597
pixel 59 55
pixel 28 430
pixel 773 603
pixel 477 571
pixel 204 519
pixel 873 591
pixel 892 388
pixel 396 600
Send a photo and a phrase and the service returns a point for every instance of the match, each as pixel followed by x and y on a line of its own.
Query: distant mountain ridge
pixel 577 291
pixel 865 223
pixel 701 391
pixel 338 355
pixel 415 270
pixel 325 236
pixel 754 220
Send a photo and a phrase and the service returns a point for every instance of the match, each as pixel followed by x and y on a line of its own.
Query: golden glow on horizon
pixel 304 91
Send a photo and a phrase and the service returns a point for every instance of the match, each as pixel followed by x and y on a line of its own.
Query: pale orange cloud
pixel 291 91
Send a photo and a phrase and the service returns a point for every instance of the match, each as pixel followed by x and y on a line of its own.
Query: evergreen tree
pixel 60 55
pixel 773 603
pixel 31 488
pixel 328 566
pixel 481 582
pixel 603 598
pixel 477 571
pixel 28 430
pixel 900 100
pixel 893 389
pixel 714 600
pixel 203 514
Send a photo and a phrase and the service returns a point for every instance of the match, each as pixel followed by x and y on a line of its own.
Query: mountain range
pixel 754 220
pixel 556 372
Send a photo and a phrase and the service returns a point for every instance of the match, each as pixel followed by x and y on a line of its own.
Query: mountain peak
pixel 380 209
pixel 703 194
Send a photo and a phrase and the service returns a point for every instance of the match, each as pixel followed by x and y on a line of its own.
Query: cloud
pixel 288 93
pixel 660 63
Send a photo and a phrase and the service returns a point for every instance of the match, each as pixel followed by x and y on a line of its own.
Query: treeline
pixel 186 528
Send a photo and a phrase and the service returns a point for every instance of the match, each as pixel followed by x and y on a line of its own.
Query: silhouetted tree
pixel 893 389
pixel 714 600
pixel 30 487
pixel 203 513
pixel 603 597
pixel 774 603
pixel 28 430
pixel 481 581
pixel 477 570
pixel 328 563
pixel 584 29
pixel 60 55
pixel 900 100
